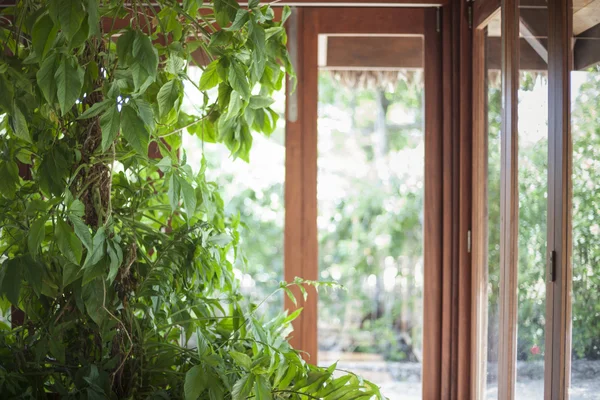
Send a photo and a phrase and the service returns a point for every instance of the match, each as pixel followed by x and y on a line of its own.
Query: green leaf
pixel 69 81
pixel 45 77
pixel 287 11
pixel 241 18
pixel 96 109
pixel 10 280
pixel 134 130
pixel 125 47
pixel 116 259
pixel 144 53
pixel 110 122
pixel 37 233
pixel 173 192
pixel 242 387
pixel 235 105
pixel 69 14
pixel 189 197
pixel 53 170
pixel 257 37
pixel 225 11
pixel 9 173
pixel 262 389
pixel 241 359
pixel 194 383
pixel 93 298
pixel 68 244
pixel 210 77
pixel 168 97
pixel 260 102
pixel 33 273
pixel 82 231
pixel 91 7
pixel 237 79
pixel 97 251
pixel 220 240
pixel 43 35
pixel 70 273
pixel 19 124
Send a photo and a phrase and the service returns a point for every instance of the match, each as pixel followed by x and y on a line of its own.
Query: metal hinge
pixel 553 266
pixel 438 20
pixel 469 241
pixel 470 11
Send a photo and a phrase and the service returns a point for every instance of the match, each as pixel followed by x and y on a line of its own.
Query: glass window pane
pixel 370 225
pixel 494 123
pixel 533 203
pixel 585 133
pixel 255 191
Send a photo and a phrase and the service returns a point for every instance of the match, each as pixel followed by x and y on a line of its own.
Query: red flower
pixel 535 349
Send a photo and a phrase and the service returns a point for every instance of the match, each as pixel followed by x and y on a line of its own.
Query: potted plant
pixel 116 259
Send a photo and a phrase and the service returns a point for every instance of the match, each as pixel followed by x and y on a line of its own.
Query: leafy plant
pixel 121 263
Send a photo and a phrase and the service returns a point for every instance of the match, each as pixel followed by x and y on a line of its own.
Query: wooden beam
pixel 587 49
pixel 374 52
pixel 528 58
pixel 533 26
pixel 585 15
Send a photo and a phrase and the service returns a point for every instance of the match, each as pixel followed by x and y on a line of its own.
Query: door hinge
pixel 469 241
pixel 438 20
pixel 553 262
pixel 470 14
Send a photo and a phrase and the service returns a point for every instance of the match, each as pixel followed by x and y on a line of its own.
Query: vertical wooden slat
pixel 465 140
pixel 509 206
pixel 433 239
pixel 479 277
pixel 558 302
pixel 293 254
pixel 309 178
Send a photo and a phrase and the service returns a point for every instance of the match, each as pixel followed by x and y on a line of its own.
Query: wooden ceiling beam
pixel 347 52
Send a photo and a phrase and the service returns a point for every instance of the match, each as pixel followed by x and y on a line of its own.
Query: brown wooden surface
pixel 465 140
pixel 374 52
pixel 375 21
pixel 293 244
pixel 360 3
pixel 483 11
pixel 529 59
pixel 433 240
pixel 509 210
pixel 558 300
pixel 448 112
pixel 479 277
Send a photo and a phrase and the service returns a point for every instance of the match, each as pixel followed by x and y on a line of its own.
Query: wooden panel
pixel 310 264
pixel 450 120
pixel 479 277
pixel 362 3
pixel 465 138
pixel 293 254
pixel 586 51
pixel 483 11
pixel 509 206
pixel 530 60
pixel 397 21
pixel 374 52
pixel 585 15
pixel 433 244
pixel 558 300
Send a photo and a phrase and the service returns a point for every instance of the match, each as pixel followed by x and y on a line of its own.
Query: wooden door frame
pixel 301 244
pixel 558 282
